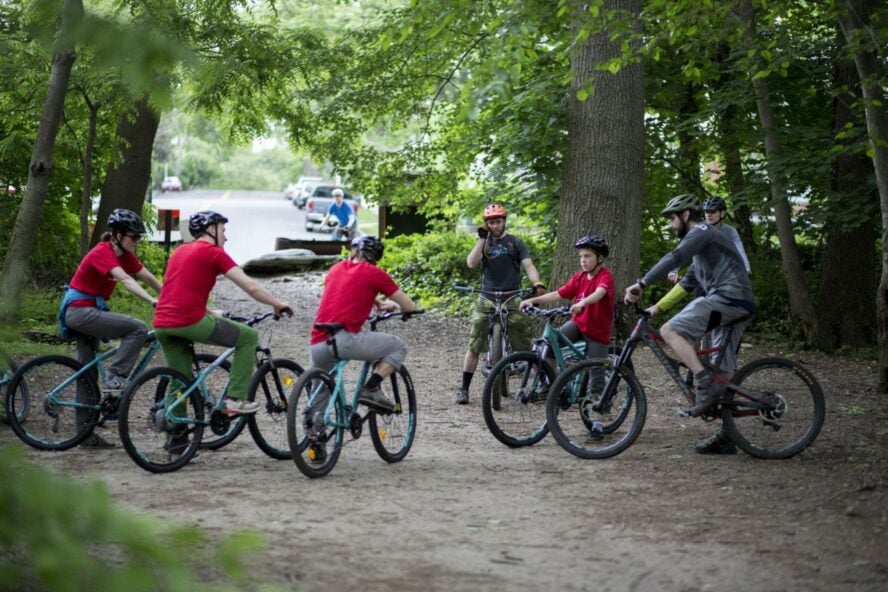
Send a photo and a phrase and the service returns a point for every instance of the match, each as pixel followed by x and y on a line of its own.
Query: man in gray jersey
pixel 727 297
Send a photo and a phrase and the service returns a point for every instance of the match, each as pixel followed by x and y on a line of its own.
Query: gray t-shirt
pixel 501 263
pixel 716 264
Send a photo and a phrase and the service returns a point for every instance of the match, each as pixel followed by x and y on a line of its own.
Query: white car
pixel 170 184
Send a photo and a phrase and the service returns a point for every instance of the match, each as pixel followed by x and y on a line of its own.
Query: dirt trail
pixel 463 512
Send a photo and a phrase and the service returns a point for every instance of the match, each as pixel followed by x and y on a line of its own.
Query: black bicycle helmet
pixel 123 220
pixel 715 204
pixel 371 247
pixel 594 242
pixel 680 203
pixel 200 221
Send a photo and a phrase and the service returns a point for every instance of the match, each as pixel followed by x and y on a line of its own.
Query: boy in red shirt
pixel 592 292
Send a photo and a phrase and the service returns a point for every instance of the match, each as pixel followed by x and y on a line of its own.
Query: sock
pixel 373 382
pixel 467 379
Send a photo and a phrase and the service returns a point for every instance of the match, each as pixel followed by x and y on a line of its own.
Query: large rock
pixel 289 260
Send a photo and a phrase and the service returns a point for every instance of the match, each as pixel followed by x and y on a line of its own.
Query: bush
pixel 58 535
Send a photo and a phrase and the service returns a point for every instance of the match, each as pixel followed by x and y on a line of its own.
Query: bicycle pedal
pixel 682 412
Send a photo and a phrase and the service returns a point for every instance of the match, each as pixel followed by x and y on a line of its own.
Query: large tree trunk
pixel 845 312
pixel 86 194
pixel 801 305
pixel 128 178
pixel 851 21
pixel 603 186
pixel 24 233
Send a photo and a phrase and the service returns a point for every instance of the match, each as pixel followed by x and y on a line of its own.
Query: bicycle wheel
pixel 271 386
pixel 48 408
pixel 315 444
pixel 520 418
pixel 222 429
pixel 793 413
pixel 156 440
pixel 589 424
pixel 7 369
pixel 393 433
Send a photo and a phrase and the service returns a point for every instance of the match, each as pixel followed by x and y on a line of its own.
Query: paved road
pixel 256 218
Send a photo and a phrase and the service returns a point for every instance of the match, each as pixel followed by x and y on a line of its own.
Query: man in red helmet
pixel 501 256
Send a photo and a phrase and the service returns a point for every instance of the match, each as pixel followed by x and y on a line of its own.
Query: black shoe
pixel 719 443
pixel 462 396
pixel 96 441
pixel 707 397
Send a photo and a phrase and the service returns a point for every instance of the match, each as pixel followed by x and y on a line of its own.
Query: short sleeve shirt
pixel 342 212
pixel 595 321
pixel 93 275
pixel 190 277
pixel 501 263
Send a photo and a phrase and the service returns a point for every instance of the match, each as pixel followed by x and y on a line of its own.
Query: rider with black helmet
pixel 727 298
pixel 591 290
pixel 84 308
pixel 182 316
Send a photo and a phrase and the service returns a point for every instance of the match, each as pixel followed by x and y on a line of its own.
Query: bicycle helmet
pixel 715 204
pixel 594 242
pixel 680 203
pixel 338 192
pixel 494 211
pixel 371 247
pixel 200 221
pixel 123 220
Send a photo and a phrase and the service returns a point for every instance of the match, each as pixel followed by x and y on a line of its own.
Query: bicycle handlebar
pixel 379 317
pixel 495 294
pixel 249 321
pixel 549 313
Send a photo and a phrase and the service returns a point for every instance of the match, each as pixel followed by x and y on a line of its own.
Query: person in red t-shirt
pixel 350 295
pixel 592 292
pixel 182 317
pixel 84 309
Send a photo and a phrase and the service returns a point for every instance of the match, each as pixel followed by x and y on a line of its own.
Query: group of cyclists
pixel 718 277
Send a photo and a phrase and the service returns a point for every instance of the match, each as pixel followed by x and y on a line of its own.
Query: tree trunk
pixel 845 313
pixel 15 267
pixel 127 180
pixel 877 128
pixel 86 194
pixel 801 306
pixel 602 187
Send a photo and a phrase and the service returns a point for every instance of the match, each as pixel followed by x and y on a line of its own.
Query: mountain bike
pixel 497 322
pixel 164 414
pixel 54 402
pixel 317 441
pixel 771 408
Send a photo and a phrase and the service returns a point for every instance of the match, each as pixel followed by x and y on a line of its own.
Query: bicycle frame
pixel 499 315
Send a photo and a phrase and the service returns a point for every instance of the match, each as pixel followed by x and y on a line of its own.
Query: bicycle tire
pixel 52 425
pixel 215 383
pixel 270 386
pixel 794 421
pixel 7 369
pixel 496 354
pixel 329 440
pixel 520 418
pixel 154 443
pixel 570 411
pixel 393 433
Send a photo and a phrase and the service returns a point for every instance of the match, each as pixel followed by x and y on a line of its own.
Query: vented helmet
pixel 200 221
pixel 494 211
pixel 370 247
pixel 594 242
pixel 715 204
pixel 126 221
pixel 680 203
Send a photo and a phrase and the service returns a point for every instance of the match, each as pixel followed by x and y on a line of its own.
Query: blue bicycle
pixel 320 413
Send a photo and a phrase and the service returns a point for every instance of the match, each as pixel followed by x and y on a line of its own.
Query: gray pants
pixel 99 324
pixel 366 345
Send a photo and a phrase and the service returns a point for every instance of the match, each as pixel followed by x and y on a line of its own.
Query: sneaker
pixel 114 384
pixel 317 454
pixel 375 398
pixel 96 441
pixel 706 397
pixel 719 443
pixel 462 396
pixel 240 407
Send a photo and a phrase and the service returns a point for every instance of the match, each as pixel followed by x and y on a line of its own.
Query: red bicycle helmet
pixel 494 211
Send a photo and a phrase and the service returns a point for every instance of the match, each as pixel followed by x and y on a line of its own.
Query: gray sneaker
pixel 114 384
pixel 375 399
pixel 462 396
pixel 707 397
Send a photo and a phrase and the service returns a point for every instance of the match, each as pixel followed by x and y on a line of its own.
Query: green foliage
pixel 60 536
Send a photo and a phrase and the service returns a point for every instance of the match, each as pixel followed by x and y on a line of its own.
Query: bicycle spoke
pixel 514 399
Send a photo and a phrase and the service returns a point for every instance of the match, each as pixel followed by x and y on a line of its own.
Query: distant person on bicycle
pixel 591 290
pixel 727 297
pixel 351 291
pixel 342 212
pixel 182 316
pixel 501 256
pixel 84 307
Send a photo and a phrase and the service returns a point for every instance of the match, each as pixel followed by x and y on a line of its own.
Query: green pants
pixel 520 330
pixel 214 331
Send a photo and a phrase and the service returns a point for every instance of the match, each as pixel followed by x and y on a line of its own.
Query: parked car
pixel 170 184
pixel 302 190
pixel 317 205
